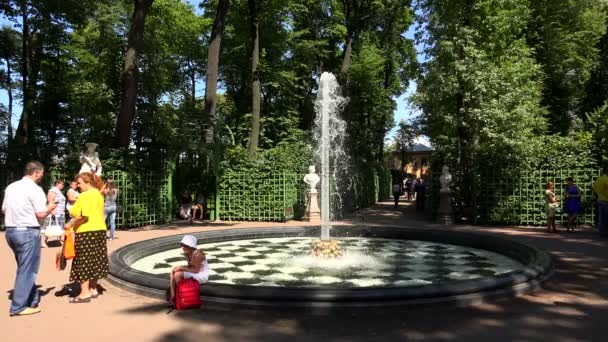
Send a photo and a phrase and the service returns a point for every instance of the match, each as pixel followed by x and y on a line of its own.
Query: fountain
pixel 378 265
pixel 329 132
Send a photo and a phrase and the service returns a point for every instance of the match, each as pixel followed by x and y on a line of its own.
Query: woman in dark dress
pixel 572 203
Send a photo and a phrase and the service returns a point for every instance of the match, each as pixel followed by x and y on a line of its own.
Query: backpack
pixel 188 295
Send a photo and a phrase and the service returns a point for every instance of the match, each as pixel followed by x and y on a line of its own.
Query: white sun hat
pixel 190 241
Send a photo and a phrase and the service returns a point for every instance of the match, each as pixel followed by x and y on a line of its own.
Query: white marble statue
pixel 89 160
pixel 312 179
pixel 445 179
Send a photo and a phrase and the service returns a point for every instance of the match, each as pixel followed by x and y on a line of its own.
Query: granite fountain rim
pixel 538 267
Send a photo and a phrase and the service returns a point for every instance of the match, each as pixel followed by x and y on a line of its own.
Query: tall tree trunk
pixel 191 78
pixel 255 80
pixel 213 61
pixel 9 90
pixel 348 51
pixel 130 73
pixel 23 129
pixel 387 44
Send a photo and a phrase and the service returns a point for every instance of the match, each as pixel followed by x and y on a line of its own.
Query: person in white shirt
pixel 24 206
pixel 55 195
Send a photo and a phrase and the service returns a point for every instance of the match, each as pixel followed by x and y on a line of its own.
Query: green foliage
pixel 370 109
pixel 291 158
pixel 480 92
pixel 598 124
pixel 564 35
pixel 518 198
pixel 267 186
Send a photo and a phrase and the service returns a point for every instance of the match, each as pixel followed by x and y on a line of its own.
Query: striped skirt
pixel 91 260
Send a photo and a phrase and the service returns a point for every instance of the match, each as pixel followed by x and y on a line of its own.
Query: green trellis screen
pixel 521 200
pixel 145 198
pixel 280 196
pixel 517 197
pixel 249 197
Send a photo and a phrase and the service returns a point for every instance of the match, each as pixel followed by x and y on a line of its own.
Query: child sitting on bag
pixel 197 268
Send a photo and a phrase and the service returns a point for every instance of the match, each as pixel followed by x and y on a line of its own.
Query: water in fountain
pixel 329 133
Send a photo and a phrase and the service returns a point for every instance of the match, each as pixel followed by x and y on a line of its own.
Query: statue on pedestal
pixel 313 213
pixel 89 160
pixel 445 214
pixel 445 179
pixel 312 179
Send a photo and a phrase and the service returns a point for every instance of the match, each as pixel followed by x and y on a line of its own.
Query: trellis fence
pixel 144 198
pixel 249 197
pixel 517 197
pixel 281 196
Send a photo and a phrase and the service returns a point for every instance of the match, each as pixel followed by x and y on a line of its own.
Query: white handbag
pixel 53 229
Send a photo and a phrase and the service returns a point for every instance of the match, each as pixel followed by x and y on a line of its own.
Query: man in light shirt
pixel 24 206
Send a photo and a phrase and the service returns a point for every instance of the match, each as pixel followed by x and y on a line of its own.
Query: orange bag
pixel 69 249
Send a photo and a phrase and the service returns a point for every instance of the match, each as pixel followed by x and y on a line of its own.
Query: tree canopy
pixel 499 77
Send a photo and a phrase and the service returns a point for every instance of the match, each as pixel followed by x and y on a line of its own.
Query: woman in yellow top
pixel 601 190
pixel 91 261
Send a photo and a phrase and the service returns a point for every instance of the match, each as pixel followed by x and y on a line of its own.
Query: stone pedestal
pixel 445 215
pixel 313 213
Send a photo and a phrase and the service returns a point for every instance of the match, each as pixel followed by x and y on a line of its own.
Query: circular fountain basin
pixel 380 266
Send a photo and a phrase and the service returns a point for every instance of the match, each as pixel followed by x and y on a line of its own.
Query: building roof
pixel 420 148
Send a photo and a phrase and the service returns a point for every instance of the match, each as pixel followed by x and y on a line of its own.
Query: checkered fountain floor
pixel 366 263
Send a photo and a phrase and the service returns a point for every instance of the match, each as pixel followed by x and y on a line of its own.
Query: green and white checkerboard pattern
pixel 366 263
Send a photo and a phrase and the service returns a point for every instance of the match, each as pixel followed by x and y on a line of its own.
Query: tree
pixel 404 141
pixel 480 92
pixel 564 35
pixel 130 72
pixel 213 58
pixel 597 86
pixel 9 41
pixel 356 14
pixel 255 78
pixel 44 28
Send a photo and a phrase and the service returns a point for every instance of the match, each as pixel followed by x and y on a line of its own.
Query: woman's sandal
pixel 94 294
pixel 78 300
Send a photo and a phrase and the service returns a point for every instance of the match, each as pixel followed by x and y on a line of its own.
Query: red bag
pixel 188 295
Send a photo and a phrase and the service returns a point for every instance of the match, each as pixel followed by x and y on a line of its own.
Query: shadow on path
pixel 571 306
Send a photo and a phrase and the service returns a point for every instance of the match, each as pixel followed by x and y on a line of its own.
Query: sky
pixel 403 112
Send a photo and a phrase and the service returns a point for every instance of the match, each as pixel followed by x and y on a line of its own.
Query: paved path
pixel 573 306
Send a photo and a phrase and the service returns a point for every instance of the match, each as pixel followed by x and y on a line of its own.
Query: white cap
pixel 190 241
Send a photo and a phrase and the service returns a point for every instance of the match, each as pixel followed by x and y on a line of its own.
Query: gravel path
pixel 573 306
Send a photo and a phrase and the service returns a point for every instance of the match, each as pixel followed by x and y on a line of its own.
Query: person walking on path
pixel 396 193
pixel 572 202
pixel 551 204
pixel 420 189
pixel 600 187
pixel 91 261
pixel 24 206
pixel 408 184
